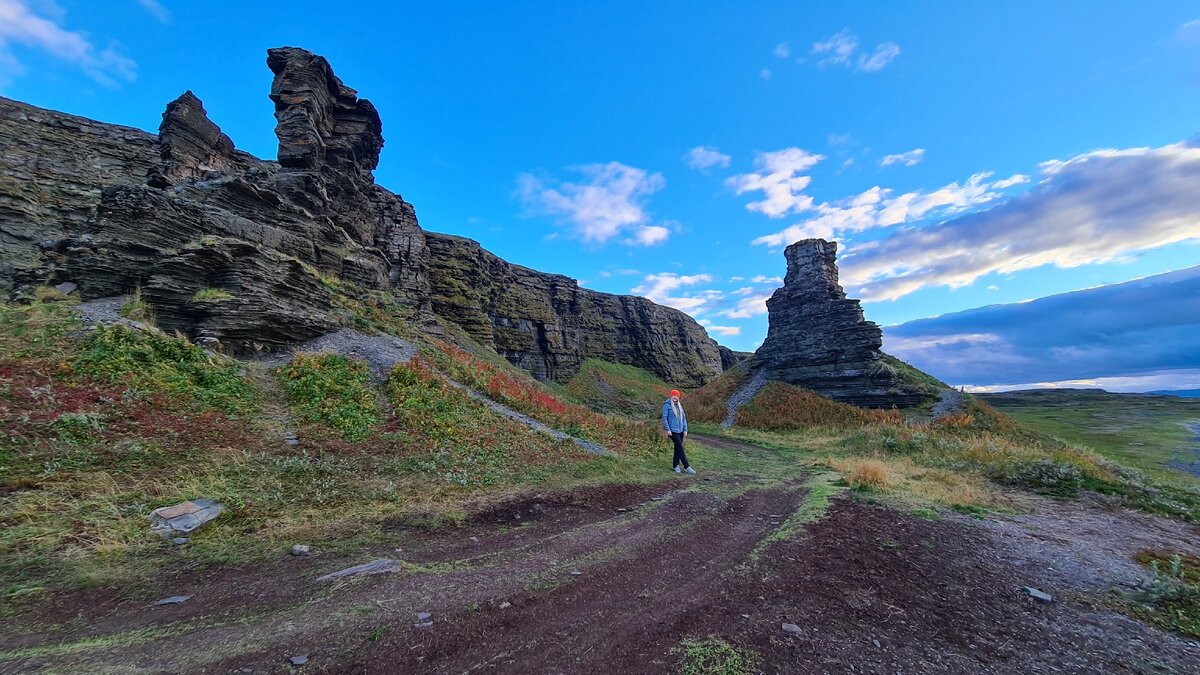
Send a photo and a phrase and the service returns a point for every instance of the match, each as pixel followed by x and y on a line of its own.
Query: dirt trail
pixel 611 579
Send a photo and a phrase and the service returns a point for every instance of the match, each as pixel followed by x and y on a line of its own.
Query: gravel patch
pixel 380 352
pixel 950 402
pixel 742 396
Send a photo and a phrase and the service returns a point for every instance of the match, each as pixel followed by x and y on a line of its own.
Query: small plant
pixel 712 656
pixel 1172 599
pixel 137 309
pixel 869 475
pixel 78 427
pixel 212 295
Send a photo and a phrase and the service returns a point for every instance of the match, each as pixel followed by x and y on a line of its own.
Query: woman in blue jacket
pixel 675 426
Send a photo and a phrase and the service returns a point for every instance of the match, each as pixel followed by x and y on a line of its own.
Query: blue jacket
pixel 672 423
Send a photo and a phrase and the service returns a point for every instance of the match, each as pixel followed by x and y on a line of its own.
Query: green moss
pixel 212 295
pixel 333 390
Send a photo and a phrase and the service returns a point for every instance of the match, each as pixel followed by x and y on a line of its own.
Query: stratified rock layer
pixel 818 339
pixel 239 252
pixel 547 324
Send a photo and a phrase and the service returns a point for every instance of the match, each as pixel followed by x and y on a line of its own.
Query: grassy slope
pixel 1142 431
pixel 100 430
pixel 616 388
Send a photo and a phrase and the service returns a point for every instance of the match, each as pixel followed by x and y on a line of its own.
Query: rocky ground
pixel 615 578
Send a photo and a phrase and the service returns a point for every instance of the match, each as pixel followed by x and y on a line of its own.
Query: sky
pixel 962 154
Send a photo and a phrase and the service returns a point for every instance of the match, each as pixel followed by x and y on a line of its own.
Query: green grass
pixel 1172 600
pixel 332 390
pixel 615 388
pixel 820 489
pixel 1141 431
pixel 713 656
pixel 212 295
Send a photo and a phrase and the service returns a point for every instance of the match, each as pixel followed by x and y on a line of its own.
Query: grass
pixel 212 295
pixel 713 656
pixel 96 432
pixel 332 390
pixel 1143 431
pixel 618 389
pixel 780 406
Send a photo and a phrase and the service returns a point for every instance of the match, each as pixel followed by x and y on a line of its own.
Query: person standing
pixel 675 426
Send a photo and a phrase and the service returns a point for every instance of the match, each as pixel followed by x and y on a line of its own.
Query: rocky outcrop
pixel 242 252
pixel 547 324
pixel 53 168
pixel 730 358
pixel 818 339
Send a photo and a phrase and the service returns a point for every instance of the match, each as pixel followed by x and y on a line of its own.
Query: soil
pixel 611 579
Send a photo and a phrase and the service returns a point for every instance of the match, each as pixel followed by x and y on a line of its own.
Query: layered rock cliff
pixel 818 339
pixel 238 251
pixel 547 324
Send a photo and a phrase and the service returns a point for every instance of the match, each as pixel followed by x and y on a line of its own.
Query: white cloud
pixel 1095 207
pixel 878 207
pixel 608 202
pixel 884 54
pixel 1015 179
pixel 704 157
pixel 840 50
pixel 21 25
pixel 662 287
pixel 778 177
pixel 910 158
pixel 721 330
pixel 760 279
pixel 744 290
pixel 993 287
pixel 754 305
pixel 765 73
pixel 733 279
pixel 649 235
pixel 156 9
pixel 1122 330
pixel 782 50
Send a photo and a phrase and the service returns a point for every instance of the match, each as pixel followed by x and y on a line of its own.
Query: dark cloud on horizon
pixel 1127 329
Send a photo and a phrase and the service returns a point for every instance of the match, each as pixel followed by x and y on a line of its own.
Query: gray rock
pixel 183 518
pixel 423 616
pixel 818 339
pixel 298 660
pixel 1038 595
pixel 66 288
pixel 180 541
pixel 173 600
pixel 380 566
pixel 300 549
pixel 422 624
pixel 792 629
pixel 505 605
pixel 576 573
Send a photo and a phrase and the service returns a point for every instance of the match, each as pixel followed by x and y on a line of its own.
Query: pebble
pixel 475 539
pixel 298 660
pixel 424 616
pixel 576 573
pixel 1038 595
pixel 505 605
pixel 656 499
pixel 180 541
pixel 876 643
pixel 745 616
pixel 422 624
pixel 792 629
pixel 300 549
pixel 174 600
pixel 622 510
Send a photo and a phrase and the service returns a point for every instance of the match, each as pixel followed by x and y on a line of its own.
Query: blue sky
pixel 963 154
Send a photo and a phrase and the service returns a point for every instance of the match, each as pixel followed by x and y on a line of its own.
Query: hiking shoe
pixel 678 470
pixel 691 470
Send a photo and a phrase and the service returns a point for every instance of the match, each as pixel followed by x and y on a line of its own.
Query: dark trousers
pixel 680 455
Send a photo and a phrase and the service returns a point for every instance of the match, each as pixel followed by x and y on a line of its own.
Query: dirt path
pixel 611 579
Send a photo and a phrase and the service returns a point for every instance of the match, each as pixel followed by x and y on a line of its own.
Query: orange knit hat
pixel 675 392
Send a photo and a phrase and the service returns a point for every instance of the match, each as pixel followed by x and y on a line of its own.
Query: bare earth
pixel 611 579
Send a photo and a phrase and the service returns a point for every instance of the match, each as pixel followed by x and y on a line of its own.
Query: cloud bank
pixel 1145 331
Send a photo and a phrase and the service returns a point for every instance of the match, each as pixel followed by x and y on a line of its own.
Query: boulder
pixel 171 521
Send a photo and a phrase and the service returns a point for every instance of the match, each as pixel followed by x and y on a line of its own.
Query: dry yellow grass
pixel 901 477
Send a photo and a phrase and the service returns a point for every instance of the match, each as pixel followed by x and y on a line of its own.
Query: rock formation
pixel 819 340
pixel 547 324
pixel 238 251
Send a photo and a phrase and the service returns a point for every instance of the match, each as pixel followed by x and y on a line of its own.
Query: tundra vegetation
pixel 103 425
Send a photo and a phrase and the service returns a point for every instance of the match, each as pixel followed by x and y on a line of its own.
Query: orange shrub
pixel 869 474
